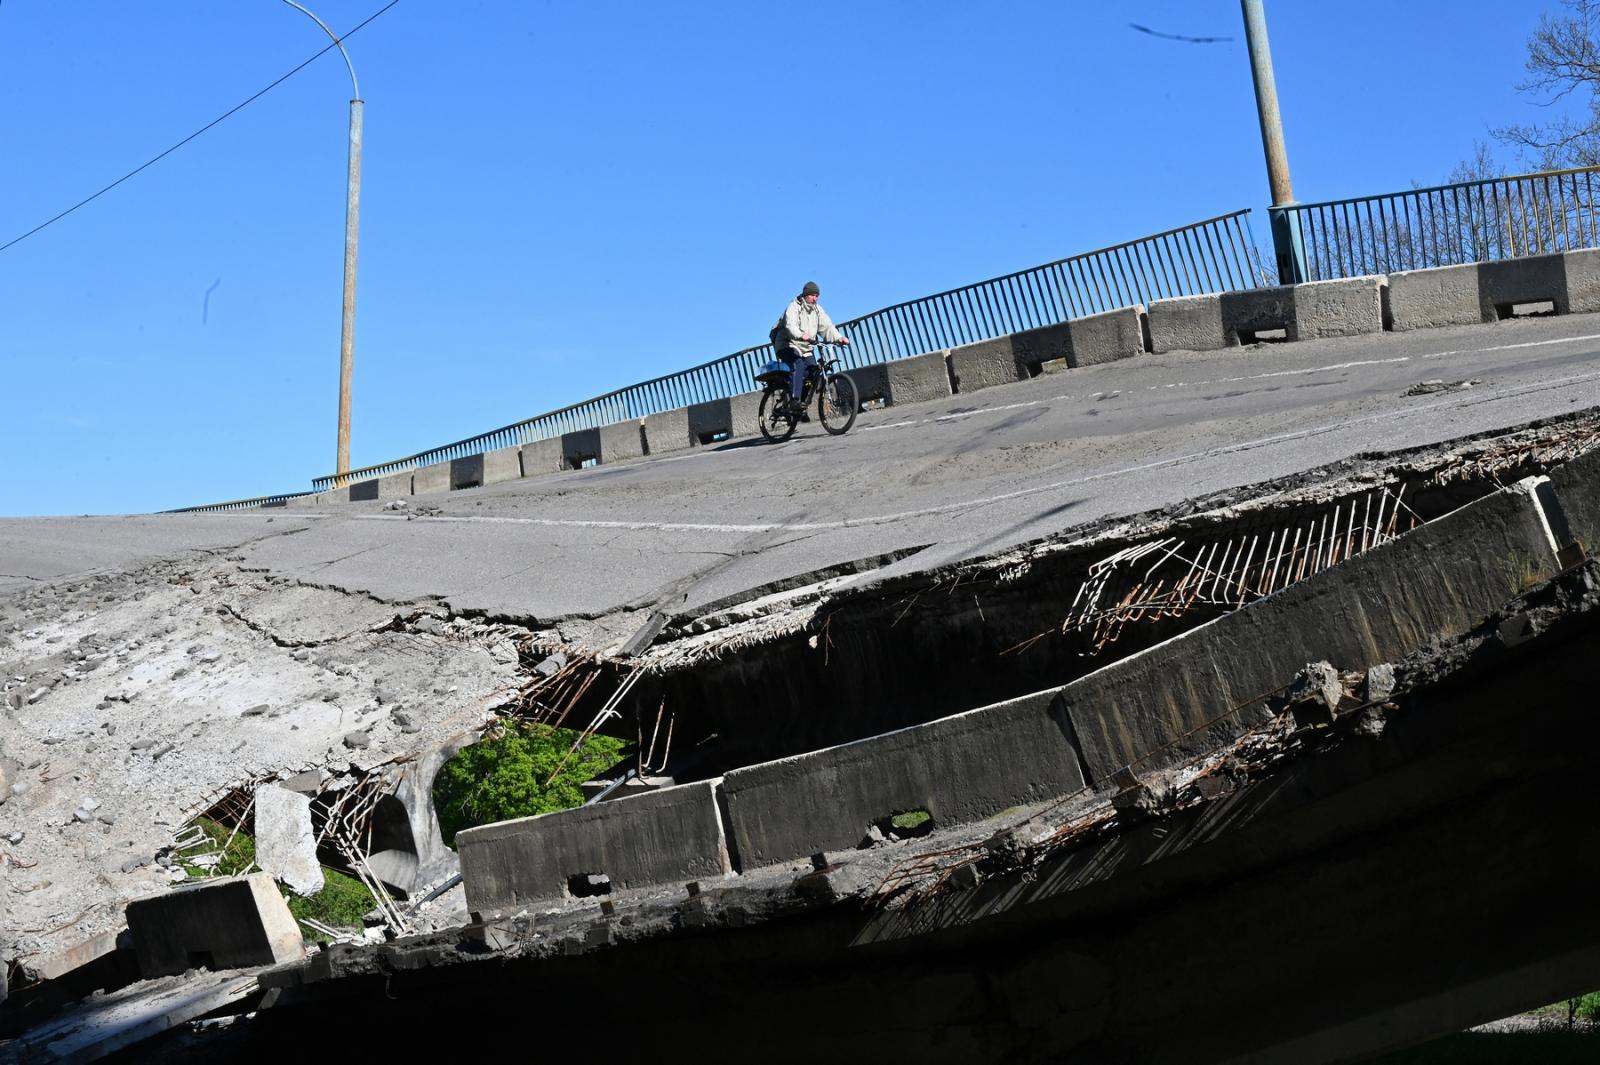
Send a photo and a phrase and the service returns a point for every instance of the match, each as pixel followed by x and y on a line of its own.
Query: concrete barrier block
pixel 428 479
pixel 1443 295
pixel 541 457
pixel 466 472
pixel 1250 312
pixel 1202 688
pixel 502 464
pixel 667 431
pixel 918 379
pixel 620 441
pixel 1187 323
pixel 1005 359
pixel 1534 279
pixel 958 769
pixel 744 414
pixel 722 419
pixel 872 382
pixel 674 834
pixel 579 447
pixel 219 924
pixel 1106 337
pixel 1583 280
pixel 985 364
pixel 395 485
pixel 1345 307
pixel 1577 489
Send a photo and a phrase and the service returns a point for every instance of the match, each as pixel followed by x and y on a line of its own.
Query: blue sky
pixel 560 198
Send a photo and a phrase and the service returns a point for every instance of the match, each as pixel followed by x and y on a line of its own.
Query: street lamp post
pixel 352 227
pixel 1287 242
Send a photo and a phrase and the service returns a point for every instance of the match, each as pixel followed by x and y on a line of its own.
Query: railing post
pixel 1288 244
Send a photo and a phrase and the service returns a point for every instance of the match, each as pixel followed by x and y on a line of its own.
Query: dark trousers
pixel 799 366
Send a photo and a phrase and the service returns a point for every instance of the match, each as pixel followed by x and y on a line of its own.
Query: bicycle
pixel 835 393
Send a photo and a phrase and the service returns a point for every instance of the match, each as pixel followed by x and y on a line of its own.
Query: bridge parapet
pixel 1181 699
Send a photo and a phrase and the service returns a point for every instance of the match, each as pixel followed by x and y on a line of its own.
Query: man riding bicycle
pixel 795 336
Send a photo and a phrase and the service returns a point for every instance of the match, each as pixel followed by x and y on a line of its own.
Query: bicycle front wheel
pixel 777 419
pixel 838 404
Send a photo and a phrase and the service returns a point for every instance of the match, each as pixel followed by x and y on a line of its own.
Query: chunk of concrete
pixel 286 845
pixel 228 923
pixel 408 851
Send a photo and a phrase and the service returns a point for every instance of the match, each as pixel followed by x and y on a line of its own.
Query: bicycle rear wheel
pixel 838 404
pixel 777 416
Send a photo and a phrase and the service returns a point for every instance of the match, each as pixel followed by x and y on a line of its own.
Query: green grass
pixel 914 819
pixel 239 857
pixel 341 903
pixel 510 775
pixel 1589 1006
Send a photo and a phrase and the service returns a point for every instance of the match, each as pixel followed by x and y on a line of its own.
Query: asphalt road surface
pixel 955 478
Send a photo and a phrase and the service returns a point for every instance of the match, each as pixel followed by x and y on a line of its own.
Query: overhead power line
pixel 1179 36
pixel 232 111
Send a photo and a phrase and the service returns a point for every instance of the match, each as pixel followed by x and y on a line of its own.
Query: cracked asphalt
pixel 592 552
pixel 122 635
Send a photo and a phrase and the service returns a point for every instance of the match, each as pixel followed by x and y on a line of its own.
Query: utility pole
pixel 352 228
pixel 1287 242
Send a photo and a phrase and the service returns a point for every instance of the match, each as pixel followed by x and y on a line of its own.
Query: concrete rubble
pixel 286 846
pixel 132 701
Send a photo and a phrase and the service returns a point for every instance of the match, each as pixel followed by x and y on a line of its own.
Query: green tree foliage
pixel 505 776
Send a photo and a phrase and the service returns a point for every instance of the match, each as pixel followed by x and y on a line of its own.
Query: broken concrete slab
pixel 286 845
pixel 405 820
pixel 227 923
pixel 104 1025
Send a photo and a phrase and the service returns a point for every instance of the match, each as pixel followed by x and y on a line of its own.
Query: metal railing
pixel 1448 225
pixel 241 504
pixel 1216 255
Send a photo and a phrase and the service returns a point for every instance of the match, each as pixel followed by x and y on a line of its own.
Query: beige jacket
pixel 802 319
